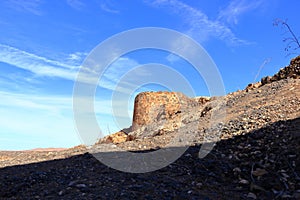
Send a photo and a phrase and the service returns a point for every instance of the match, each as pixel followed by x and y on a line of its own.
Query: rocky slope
pixel 256 156
pixel 270 100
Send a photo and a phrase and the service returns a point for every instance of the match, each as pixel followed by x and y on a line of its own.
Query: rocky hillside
pixel 256 155
pixel 164 113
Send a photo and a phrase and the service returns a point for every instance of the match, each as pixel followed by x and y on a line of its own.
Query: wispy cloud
pixel 44 67
pixel 236 8
pixel 15 81
pixel 18 110
pixel 107 6
pixel 76 4
pixel 119 68
pixel 48 103
pixel 12 52
pixel 172 58
pixel 38 65
pixel 199 24
pixel 52 104
pixel 31 6
pixel 77 57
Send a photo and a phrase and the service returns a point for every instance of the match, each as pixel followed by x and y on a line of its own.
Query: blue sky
pixel 43 44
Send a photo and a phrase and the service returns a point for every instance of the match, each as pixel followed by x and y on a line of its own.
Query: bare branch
pixel 292 42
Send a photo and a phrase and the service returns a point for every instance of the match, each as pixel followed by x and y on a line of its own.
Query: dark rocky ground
pixel 264 164
pixel 257 157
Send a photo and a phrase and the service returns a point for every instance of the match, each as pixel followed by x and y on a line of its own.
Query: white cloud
pixel 54 105
pixel 43 67
pixel 76 4
pixel 14 52
pixel 31 115
pixel 115 72
pixel 31 6
pixel 76 57
pixel 236 8
pixel 30 101
pixel 172 58
pixel 38 65
pixel 200 26
pixel 107 7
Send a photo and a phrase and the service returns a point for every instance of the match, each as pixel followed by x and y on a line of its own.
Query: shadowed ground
pixel 263 164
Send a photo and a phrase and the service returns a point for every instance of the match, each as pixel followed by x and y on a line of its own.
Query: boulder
pixel 253 86
pixel 115 138
pixel 290 71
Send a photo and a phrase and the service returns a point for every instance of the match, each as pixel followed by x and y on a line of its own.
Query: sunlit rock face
pixel 290 71
pixel 150 107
